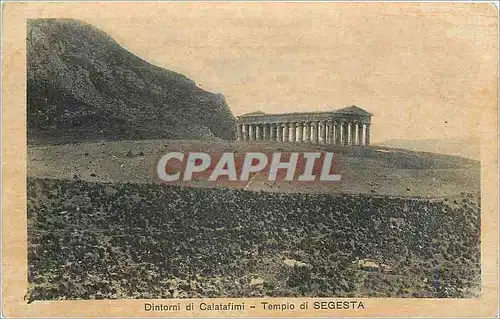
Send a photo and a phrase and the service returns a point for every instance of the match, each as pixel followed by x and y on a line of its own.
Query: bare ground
pixel 382 171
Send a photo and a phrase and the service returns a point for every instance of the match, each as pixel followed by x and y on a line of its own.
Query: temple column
pixel 286 132
pixel 325 140
pixel 353 134
pixel 257 132
pixel 307 132
pixel 251 132
pixel 331 132
pixel 345 134
pixel 360 134
pixel 318 130
pixel 323 132
pixel 265 132
pixel 348 133
pixel 367 135
pixel 338 137
pixel 293 132
pixel 314 130
pixel 272 133
pixel 327 132
pixel 279 132
pixel 300 132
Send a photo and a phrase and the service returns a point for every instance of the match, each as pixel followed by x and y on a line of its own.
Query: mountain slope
pixel 468 148
pixel 82 85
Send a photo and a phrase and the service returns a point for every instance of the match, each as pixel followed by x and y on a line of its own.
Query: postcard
pixel 250 159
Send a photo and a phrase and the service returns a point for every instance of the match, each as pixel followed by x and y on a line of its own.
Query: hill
pixel 107 241
pixel 83 86
pixel 469 148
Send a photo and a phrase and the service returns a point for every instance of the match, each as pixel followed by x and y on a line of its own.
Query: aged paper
pixel 261 159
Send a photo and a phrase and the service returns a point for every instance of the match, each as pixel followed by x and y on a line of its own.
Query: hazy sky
pixel 424 70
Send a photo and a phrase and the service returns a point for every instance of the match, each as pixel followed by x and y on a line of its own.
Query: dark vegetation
pixel 83 86
pixel 94 241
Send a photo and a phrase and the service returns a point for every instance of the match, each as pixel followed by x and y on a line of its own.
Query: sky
pixel 425 70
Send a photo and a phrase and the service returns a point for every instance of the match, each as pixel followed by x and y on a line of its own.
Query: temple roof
pixel 353 109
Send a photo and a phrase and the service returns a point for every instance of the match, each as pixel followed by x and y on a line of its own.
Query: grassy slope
pixel 382 171
pixel 116 235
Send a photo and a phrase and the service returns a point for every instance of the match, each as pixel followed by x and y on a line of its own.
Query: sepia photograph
pixel 251 158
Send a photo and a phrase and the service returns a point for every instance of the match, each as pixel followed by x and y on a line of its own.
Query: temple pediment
pixel 353 110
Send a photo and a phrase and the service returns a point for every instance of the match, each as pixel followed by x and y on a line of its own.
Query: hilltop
pixel 83 86
pixel 364 170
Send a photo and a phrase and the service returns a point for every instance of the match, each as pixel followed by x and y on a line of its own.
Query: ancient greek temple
pixel 346 126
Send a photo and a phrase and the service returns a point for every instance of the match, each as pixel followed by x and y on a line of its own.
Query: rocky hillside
pixel 82 85
pixel 108 241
